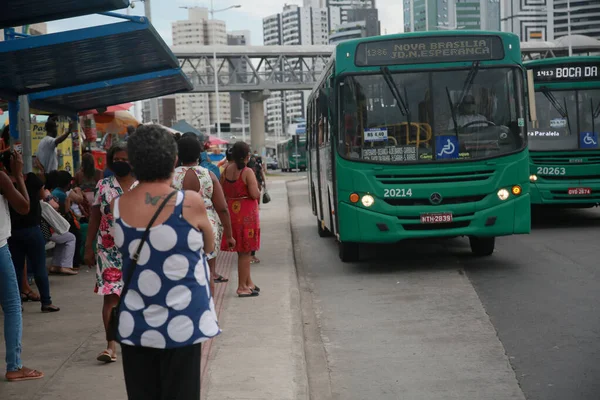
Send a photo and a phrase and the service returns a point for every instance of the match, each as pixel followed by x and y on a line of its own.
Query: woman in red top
pixel 242 194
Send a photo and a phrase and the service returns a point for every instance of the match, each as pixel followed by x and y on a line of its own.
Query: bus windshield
pixel 568 120
pixel 397 117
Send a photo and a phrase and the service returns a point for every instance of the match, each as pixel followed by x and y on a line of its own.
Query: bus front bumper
pixel 557 194
pixel 362 225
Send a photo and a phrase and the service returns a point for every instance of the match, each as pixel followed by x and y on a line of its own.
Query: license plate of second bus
pixel 436 218
pixel 579 191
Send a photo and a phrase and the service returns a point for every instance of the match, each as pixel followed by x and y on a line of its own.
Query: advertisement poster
pixel 63 150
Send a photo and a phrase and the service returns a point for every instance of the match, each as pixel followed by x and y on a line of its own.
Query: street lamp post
pixel 212 15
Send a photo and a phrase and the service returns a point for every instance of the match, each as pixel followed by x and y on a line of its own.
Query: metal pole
pixel 243 119
pixel 426 16
pixel 25 133
pixel 212 12
pixel 412 15
pixel 148 10
pixel 569 27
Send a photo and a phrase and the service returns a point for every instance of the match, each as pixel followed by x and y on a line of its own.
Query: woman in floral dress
pixel 109 279
pixel 191 176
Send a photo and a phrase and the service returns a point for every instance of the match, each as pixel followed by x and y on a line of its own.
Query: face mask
pixel 121 168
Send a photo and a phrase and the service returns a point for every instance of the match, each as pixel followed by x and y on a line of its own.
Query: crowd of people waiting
pixel 195 209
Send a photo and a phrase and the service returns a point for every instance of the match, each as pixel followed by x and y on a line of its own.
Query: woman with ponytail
pixel 242 194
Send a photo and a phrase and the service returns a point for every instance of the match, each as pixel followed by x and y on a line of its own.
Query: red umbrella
pixel 110 109
pixel 215 141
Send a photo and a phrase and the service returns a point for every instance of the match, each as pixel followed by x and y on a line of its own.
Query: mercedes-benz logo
pixel 435 198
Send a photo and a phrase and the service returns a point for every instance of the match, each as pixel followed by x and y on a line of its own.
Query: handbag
pixel 54 219
pixel 46 229
pixel 266 197
pixel 113 322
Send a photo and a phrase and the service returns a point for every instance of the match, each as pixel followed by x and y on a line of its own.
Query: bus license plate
pixel 579 191
pixel 436 218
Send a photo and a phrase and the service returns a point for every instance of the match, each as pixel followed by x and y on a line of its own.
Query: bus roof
pixel 561 60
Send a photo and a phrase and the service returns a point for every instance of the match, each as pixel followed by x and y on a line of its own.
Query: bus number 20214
pixel 397 193
pixel 551 171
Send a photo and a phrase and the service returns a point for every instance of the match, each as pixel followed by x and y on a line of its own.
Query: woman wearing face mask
pixel 108 261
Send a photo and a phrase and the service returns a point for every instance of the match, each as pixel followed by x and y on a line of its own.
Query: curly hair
pixel 189 150
pixel 152 153
pixel 114 149
pixel 239 153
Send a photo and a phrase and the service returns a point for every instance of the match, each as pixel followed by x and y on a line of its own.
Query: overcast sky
pixel 249 16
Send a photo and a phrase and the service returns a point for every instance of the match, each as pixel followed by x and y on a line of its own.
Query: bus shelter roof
pixel 73 58
pixel 106 93
pixel 26 12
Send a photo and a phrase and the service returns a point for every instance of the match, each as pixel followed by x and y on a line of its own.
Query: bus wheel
pixel 348 251
pixel 323 232
pixel 482 246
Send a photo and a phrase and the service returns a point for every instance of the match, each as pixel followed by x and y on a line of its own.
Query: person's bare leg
pixel 212 266
pixel 26 288
pixel 110 301
pixel 243 273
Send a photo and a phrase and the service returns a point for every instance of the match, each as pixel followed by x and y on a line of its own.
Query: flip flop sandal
pixel 221 279
pixel 256 289
pixel 253 294
pixel 50 309
pixel 26 375
pixel 30 296
pixel 106 357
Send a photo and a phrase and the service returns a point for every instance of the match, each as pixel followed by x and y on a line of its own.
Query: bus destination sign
pixel 429 49
pixel 568 72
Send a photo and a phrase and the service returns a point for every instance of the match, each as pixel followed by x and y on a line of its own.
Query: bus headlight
pixel 503 194
pixel 367 200
pixel 532 178
pixel 516 190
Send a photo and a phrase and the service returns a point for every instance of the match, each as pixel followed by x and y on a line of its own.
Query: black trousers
pixel 157 374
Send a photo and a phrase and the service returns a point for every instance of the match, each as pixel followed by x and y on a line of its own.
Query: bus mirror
pixel 531 98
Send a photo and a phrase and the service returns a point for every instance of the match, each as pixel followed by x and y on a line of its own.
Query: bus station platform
pixel 259 354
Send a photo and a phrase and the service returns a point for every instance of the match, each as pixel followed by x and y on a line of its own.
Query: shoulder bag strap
pixel 136 255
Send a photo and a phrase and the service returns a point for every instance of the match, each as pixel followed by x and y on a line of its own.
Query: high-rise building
pixel 431 15
pixel 162 111
pixel 238 105
pixel 362 22
pixel 200 109
pixel 547 20
pixel 294 26
pixel 585 18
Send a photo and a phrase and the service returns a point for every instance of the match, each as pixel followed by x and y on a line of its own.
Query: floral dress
pixel 109 264
pixel 206 191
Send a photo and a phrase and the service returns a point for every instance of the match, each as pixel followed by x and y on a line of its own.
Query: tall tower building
pixel 294 26
pixel 528 19
pixel 200 109
pixel 585 18
pixel 423 15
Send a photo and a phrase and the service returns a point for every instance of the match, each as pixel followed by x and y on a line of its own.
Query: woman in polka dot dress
pixel 166 310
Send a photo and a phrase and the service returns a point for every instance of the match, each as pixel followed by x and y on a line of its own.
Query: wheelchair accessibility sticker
pixel 446 147
pixel 588 140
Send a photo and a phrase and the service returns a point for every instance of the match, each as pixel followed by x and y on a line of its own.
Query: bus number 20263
pixel 397 193
pixel 551 170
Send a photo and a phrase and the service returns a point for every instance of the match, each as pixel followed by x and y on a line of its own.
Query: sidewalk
pixel 259 355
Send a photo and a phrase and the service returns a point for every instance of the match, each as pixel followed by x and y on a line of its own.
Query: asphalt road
pixel 426 320
pixel 542 293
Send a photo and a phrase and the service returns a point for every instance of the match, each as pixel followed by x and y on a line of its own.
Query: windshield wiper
pixel 552 99
pixel 400 101
pixel 596 113
pixel 452 111
pixel 469 81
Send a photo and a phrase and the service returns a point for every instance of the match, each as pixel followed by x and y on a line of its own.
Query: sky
pixel 248 17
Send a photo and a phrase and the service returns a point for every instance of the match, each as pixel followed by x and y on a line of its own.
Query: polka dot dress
pixel 168 303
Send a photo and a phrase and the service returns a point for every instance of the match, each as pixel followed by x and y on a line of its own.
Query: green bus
pixel 420 135
pixel 287 158
pixel 564 151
